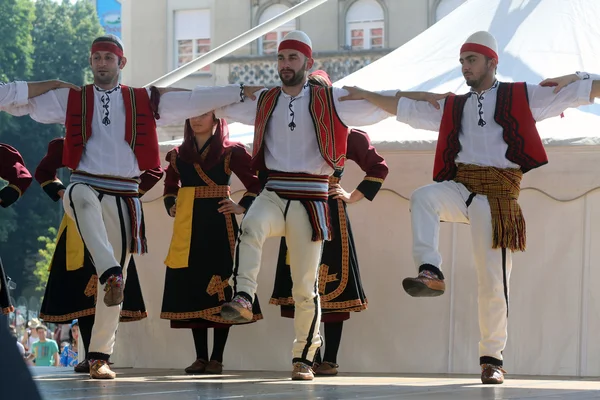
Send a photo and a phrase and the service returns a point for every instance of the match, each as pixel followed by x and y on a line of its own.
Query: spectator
pixel 30 336
pixel 68 357
pixel 45 350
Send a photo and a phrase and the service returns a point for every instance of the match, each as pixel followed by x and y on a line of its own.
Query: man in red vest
pixel 12 170
pixel 300 139
pixel 14 374
pixel 110 139
pixel 487 140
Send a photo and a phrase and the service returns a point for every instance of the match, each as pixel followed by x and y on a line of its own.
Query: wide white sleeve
pixel 176 107
pixel 244 112
pixel 13 94
pixel 48 108
pixel 358 112
pixel 420 114
pixel 544 103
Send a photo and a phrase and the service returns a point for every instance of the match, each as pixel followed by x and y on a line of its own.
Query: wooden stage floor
pixel 158 384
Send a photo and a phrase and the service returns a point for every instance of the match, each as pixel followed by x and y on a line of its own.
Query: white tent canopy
pixel 536 40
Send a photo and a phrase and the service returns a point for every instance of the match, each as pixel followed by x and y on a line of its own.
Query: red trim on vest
pixel 512 113
pixel 140 126
pixel 332 133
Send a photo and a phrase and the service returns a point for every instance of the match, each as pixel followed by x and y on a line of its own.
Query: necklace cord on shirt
pixel 292 124
pixel 105 99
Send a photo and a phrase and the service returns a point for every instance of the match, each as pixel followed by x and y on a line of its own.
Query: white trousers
pixel 270 215
pixel 104 224
pixel 447 201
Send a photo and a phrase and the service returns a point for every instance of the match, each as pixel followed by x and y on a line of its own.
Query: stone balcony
pixel 262 70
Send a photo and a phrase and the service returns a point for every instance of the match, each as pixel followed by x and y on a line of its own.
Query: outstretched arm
pixel 421 110
pixel 178 105
pixel 38 88
pixel 553 96
pixel 17 93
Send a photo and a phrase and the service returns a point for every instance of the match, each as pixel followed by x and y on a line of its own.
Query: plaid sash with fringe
pixel 502 188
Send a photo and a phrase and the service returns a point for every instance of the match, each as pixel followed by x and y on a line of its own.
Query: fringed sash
pixel 311 191
pixel 128 190
pixel 502 188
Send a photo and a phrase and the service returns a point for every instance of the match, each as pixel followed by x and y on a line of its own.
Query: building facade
pixel 161 35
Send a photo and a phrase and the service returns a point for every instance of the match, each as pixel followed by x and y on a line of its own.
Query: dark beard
pixel 104 80
pixel 474 83
pixel 295 80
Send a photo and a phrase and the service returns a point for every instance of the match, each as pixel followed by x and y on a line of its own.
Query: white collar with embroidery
pixel 107 91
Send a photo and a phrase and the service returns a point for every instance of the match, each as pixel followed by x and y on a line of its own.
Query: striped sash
pixel 311 191
pixel 128 190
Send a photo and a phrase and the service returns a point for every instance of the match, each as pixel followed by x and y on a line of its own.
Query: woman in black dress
pixel 200 259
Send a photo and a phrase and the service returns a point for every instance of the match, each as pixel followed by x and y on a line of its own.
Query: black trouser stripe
pixel 123 232
pixel 236 261
pixel 314 322
pixel 287 207
pixel 470 199
pixel 505 281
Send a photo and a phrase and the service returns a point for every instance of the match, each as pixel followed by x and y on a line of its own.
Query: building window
pixel 269 42
pixel 365 25
pixel 445 7
pixel 192 36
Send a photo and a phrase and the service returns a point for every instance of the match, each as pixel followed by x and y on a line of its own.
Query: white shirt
pixel 13 93
pixel 290 138
pixel 485 145
pixel 106 152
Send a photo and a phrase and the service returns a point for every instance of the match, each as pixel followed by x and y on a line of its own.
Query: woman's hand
pixel 229 206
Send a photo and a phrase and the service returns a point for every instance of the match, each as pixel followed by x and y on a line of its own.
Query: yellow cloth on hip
pixel 179 250
pixel 75 251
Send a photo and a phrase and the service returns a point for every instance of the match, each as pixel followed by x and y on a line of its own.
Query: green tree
pixel 42 267
pixel 60 35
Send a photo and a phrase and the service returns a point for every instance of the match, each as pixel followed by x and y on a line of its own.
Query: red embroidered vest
pixel 140 126
pixel 513 114
pixel 332 133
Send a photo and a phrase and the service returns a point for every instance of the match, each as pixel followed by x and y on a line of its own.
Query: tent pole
pixel 234 44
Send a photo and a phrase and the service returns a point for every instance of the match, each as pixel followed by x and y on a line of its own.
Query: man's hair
pixel 109 38
pixel 43 327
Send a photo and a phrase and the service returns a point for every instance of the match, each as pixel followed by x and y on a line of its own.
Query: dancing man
pixel 487 141
pixel 300 139
pixel 110 139
pixel 71 290
pixel 340 286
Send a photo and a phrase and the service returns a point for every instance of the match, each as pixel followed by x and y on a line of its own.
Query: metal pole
pixel 235 43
